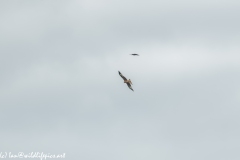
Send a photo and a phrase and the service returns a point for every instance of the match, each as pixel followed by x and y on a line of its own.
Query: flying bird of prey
pixel 134 54
pixel 128 82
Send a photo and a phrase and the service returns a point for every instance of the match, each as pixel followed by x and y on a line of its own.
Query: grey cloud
pixel 60 90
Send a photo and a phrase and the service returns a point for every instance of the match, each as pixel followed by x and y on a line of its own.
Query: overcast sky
pixel 60 91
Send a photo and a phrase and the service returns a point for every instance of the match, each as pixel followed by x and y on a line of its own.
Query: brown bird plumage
pixel 128 82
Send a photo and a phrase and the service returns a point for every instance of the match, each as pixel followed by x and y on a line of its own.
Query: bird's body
pixel 134 54
pixel 128 82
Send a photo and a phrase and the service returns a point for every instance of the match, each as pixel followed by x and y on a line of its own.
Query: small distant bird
pixel 128 82
pixel 134 54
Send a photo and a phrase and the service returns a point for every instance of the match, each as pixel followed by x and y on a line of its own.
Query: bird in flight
pixel 128 82
pixel 134 54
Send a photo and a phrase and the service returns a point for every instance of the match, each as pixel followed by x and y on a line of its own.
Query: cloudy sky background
pixel 60 91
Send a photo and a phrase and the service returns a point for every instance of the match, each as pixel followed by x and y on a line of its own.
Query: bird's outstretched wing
pixel 122 76
pixel 129 86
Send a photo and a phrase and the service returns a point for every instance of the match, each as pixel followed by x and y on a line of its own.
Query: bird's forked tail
pixel 130 81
